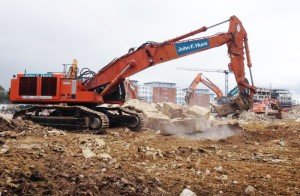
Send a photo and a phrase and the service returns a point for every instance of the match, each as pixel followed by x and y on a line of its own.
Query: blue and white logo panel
pixel 183 48
pixel 38 75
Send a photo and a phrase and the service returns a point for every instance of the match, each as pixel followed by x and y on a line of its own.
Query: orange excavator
pixel 201 79
pixel 268 106
pixel 130 89
pixel 76 101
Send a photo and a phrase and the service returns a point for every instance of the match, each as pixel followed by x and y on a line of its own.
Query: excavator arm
pixel 152 53
pixel 212 86
pixel 201 79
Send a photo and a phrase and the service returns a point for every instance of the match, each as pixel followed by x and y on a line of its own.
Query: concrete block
pixel 157 121
pixel 199 111
pixel 144 106
pixel 189 125
pixel 172 110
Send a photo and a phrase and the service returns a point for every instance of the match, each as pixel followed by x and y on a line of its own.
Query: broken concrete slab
pixel 179 126
pixel 199 111
pixel 154 119
pixel 189 125
pixel 157 106
pixel 170 118
pixel 157 122
pixel 172 110
pixel 143 106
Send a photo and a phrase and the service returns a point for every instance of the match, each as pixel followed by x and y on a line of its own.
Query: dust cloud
pixel 188 128
pixel 213 133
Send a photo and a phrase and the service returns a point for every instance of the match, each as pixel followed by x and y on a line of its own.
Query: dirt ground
pixel 37 160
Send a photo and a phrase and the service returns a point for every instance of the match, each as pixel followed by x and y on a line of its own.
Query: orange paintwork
pixel 266 106
pixel 63 94
pixel 145 56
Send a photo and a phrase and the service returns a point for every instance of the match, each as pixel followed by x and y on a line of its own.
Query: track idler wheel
pixel 134 123
pixel 95 123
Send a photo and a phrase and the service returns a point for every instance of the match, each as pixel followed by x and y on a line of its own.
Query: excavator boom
pixel 152 53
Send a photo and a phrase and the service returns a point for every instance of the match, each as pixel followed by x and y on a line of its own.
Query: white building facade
pixel 145 93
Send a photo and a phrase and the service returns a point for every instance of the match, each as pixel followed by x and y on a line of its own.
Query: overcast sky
pixel 40 36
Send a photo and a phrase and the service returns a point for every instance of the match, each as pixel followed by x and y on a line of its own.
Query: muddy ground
pixel 37 160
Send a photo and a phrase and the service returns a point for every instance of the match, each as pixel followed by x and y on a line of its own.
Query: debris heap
pixel 170 118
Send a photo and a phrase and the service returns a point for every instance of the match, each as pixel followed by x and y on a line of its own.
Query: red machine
pixel 268 106
pixel 198 79
pixel 82 95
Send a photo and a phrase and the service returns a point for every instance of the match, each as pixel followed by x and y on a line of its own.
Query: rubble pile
pixel 6 124
pixel 251 116
pixel 37 160
pixel 122 162
pixel 11 128
pixel 294 113
pixel 170 118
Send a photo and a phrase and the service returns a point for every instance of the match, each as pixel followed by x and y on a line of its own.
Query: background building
pixel 200 97
pixel 261 94
pixel 180 96
pixel 283 96
pixel 162 91
pixel 156 92
pixel 145 93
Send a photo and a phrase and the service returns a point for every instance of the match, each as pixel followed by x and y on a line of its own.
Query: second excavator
pixel 75 99
pixel 201 79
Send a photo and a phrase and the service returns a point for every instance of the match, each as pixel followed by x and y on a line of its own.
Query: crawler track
pixel 68 117
pixel 124 117
pixel 81 117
